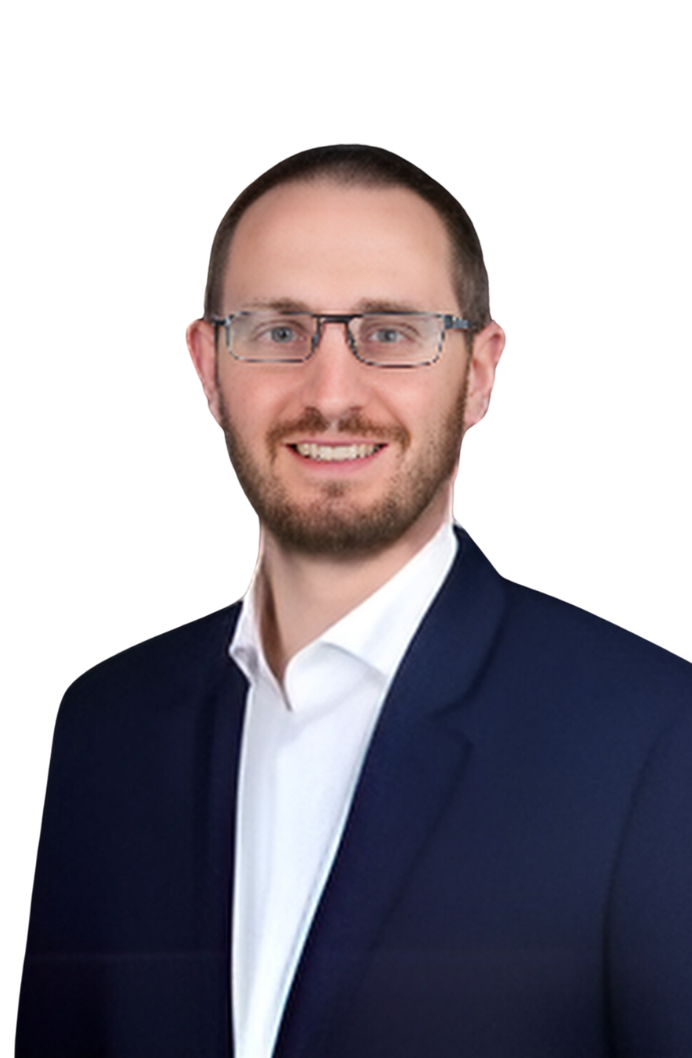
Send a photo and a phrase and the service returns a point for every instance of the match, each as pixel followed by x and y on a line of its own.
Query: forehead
pixel 330 246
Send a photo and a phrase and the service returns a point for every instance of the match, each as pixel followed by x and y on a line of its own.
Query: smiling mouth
pixel 335 453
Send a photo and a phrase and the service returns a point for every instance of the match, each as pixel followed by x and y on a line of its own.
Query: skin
pixel 325 247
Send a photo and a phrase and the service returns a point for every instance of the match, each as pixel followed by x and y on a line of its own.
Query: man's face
pixel 324 248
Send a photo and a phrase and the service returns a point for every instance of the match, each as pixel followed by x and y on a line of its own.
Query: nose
pixel 335 382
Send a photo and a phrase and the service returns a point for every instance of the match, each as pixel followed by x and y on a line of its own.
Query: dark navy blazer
pixel 514 880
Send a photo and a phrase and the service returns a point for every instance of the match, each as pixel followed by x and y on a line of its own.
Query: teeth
pixel 336 453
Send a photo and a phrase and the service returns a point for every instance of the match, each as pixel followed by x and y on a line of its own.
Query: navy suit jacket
pixel 514 880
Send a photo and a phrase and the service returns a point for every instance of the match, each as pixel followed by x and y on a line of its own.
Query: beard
pixel 334 523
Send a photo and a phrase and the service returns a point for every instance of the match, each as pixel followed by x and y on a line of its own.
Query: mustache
pixel 313 421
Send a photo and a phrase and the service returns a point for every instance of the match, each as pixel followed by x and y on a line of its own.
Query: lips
pixel 335 453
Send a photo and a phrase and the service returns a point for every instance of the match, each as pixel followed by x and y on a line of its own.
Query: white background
pixel 563 128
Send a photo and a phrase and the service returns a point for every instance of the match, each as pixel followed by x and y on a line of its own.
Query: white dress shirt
pixel 302 750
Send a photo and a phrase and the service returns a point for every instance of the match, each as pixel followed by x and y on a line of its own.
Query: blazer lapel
pixel 415 762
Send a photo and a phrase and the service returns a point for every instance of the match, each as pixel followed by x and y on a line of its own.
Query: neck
pixel 301 595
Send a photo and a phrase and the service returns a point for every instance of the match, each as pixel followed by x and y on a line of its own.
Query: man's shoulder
pixel 604 668
pixel 182 658
pixel 540 639
pixel 550 620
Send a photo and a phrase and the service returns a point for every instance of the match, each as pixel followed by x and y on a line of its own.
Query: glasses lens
pixel 271 337
pixel 393 340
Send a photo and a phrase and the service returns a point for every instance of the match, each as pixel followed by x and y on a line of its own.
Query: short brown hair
pixel 357 164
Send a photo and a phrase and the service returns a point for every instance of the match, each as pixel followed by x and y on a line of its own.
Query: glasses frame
pixel 448 321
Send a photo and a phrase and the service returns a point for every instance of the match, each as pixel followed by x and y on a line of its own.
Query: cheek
pixel 251 404
pixel 423 407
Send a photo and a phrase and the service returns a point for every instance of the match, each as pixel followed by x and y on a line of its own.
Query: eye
pixel 386 335
pixel 398 331
pixel 282 334
pixel 275 330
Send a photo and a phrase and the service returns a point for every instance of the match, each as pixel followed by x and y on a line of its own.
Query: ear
pixel 487 350
pixel 202 345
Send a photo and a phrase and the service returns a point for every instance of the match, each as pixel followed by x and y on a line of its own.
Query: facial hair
pixel 334 524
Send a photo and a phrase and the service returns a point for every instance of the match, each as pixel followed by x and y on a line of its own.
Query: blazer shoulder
pixel 176 658
pixel 549 633
pixel 567 638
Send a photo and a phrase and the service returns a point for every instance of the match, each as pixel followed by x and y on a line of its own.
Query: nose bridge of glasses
pixel 344 321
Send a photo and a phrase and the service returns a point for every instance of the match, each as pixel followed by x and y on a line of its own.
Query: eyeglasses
pixel 381 339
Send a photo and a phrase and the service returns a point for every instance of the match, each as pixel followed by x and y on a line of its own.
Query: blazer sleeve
pixel 650 934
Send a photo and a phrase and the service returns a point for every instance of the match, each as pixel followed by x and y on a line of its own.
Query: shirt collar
pixel 246 645
pixel 378 631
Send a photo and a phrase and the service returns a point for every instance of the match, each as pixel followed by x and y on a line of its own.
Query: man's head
pixel 339 456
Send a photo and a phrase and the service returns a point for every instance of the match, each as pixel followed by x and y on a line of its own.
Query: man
pixel 393 805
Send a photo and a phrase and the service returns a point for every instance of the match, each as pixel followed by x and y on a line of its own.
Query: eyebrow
pixel 369 305
pixel 277 305
pixel 379 305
